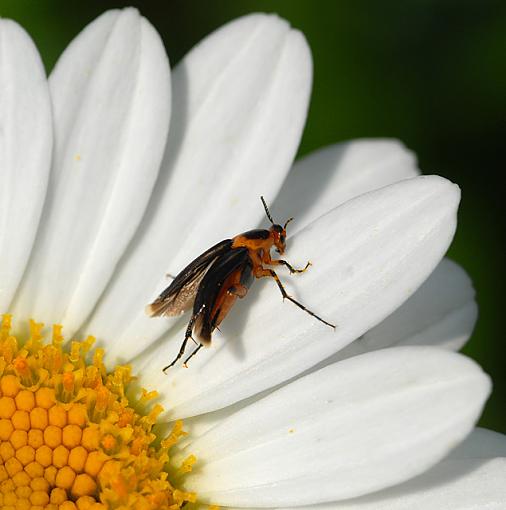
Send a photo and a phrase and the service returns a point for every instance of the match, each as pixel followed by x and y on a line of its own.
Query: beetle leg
pixel 261 271
pixel 187 336
pixel 191 356
pixel 266 259
pixel 290 268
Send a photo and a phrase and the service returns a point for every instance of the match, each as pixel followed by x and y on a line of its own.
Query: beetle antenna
pixel 267 210
pixel 286 223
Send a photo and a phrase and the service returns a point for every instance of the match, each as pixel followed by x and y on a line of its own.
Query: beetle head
pixel 278 232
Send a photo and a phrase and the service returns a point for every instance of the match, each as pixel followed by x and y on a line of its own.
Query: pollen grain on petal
pixel 69 436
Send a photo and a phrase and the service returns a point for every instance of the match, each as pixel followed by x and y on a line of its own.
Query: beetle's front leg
pixel 290 268
pixel 266 259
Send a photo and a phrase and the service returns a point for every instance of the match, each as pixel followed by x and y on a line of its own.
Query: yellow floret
pixel 21 420
pixel 58 496
pixel 52 436
pixel 44 455
pixel 23 492
pixel 18 438
pixel 77 458
pixel 21 479
pixel 91 438
pixel 68 505
pixel 77 415
pixel 45 398
pixel 25 455
pixel 13 466
pixel 108 442
pixel 35 438
pixel 65 477
pixel 50 475
pixel 9 384
pixel 94 462
pixel 72 436
pixel 85 502
pixel 60 456
pixel 7 486
pixel 25 400
pixel 7 407
pixel 84 485
pixel 39 484
pixel 38 418
pixel 57 416
pixel 6 429
pixel 24 504
pixel 10 498
pixel 34 469
pixel 39 498
pixel 6 451
pixel 69 437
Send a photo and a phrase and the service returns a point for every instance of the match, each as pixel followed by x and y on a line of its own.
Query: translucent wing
pixel 180 294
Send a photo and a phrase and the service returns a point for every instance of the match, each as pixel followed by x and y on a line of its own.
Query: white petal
pixel 111 96
pixel 357 426
pixel 369 255
pixel 26 138
pixel 197 426
pixel 470 484
pixel 442 313
pixel 481 444
pixel 330 176
pixel 470 478
pixel 240 104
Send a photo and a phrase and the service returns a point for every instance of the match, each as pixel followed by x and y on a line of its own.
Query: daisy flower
pixel 118 170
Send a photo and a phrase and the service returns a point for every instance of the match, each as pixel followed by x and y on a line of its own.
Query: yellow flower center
pixel 69 436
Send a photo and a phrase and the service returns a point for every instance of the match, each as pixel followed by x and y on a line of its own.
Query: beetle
pixel 212 283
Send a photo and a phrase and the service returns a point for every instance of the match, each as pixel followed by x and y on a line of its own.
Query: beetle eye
pixel 282 238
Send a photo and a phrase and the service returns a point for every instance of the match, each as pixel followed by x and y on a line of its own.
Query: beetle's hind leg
pixel 187 337
pixel 270 272
pixel 191 355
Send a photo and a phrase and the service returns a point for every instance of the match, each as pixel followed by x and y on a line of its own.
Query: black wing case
pixel 180 294
pixel 237 259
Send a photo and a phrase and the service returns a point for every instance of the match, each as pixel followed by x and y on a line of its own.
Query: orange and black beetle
pixel 215 279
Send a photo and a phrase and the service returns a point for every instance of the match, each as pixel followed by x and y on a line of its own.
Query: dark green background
pixel 432 73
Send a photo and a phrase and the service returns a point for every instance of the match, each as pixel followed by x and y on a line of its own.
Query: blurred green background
pixel 430 72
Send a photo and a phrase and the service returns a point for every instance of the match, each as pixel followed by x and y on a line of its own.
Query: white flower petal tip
pixel 328 177
pixel 442 313
pixel 111 101
pixel 369 255
pixel 470 478
pixel 241 98
pixel 354 427
pixel 26 139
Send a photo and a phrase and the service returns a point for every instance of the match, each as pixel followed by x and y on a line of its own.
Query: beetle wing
pixel 180 294
pixel 212 286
